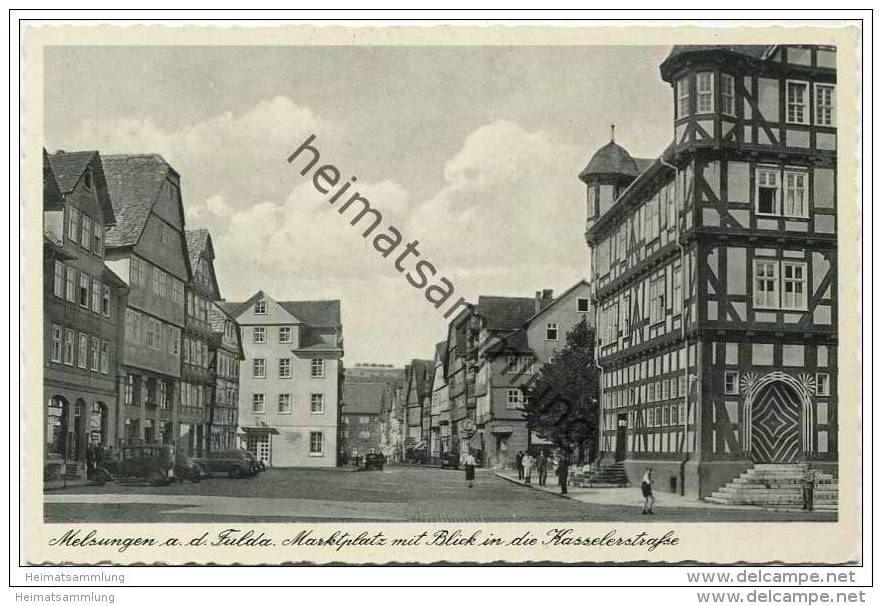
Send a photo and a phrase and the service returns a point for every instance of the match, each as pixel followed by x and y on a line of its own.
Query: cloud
pixel 506 219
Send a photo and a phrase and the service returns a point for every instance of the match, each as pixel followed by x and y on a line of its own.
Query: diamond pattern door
pixel 775 420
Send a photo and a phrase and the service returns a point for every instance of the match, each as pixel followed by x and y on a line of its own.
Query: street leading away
pixel 396 494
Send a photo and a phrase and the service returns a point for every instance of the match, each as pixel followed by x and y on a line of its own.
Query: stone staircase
pixel 610 475
pixel 775 486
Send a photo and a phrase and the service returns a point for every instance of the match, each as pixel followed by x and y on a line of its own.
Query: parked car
pixel 154 463
pixel 186 468
pixel 450 460
pixel 256 464
pixel 374 460
pixel 235 463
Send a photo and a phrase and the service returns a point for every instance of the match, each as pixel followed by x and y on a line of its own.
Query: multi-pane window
pixel 551 331
pixel 83 351
pixel 765 284
pixel 626 316
pixel 677 291
pixel 317 403
pixel 258 368
pixel 285 368
pixel 105 357
pixel 93 347
pixel 316 443
pixel 317 368
pixel 84 290
pixel 284 334
pixel 259 334
pixel 582 305
pixel 795 193
pixel 177 290
pixel 69 347
pixel 513 364
pixel 58 283
pixel 285 403
pixel 730 383
pixel 55 351
pixel 825 108
pixel 174 340
pixel 797 102
pixel 137 270
pixel 514 398
pixel 705 92
pixel 683 97
pixel 727 94
pixel 98 240
pixel 657 298
pixel 793 280
pixel 86 233
pixel 96 296
pixel 73 223
pixel 260 307
pixel 70 284
pixel 767 191
pixel 105 300
pixel 258 403
pixel 822 384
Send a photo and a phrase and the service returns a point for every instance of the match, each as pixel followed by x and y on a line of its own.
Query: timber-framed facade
pixel 714 272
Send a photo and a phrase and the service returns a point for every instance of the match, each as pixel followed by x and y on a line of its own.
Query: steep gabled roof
pixel 197 241
pixel 69 168
pixel 363 398
pixel 134 182
pixel 556 300
pixel 218 316
pixel 505 313
pixel 53 199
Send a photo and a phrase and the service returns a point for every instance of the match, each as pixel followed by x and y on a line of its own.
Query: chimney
pixel 537 302
pixel 543 299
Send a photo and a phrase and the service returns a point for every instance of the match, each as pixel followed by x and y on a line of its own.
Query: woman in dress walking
pixel 469 464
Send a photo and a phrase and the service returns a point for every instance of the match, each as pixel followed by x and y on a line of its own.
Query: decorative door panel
pixel 775 425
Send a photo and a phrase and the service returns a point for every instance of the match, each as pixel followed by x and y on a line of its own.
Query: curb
pixel 533 487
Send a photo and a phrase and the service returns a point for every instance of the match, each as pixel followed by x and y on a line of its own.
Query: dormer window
pixel 87 179
pixel 705 87
pixel 260 308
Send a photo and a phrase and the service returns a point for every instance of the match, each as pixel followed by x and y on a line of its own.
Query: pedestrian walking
pixel 469 464
pixel 808 488
pixel 528 467
pixel 563 473
pixel 519 463
pixel 542 467
pixel 646 488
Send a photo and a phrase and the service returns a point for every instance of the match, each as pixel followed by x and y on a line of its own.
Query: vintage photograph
pixel 416 284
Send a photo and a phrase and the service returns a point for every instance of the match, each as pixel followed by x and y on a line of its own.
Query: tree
pixel 562 401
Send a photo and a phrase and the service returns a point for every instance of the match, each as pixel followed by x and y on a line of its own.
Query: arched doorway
pixel 775 424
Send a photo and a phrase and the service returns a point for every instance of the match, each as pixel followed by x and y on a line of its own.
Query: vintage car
pixel 186 468
pixel 154 463
pixel 450 459
pixel 374 460
pixel 234 463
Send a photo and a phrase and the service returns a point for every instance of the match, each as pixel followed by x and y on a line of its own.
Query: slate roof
pixel 515 341
pixel 363 398
pixel 612 158
pixel 754 51
pixel 419 370
pixel 315 313
pixel 133 182
pixel 69 167
pixel 197 239
pixel 52 196
pixel 318 314
pixel 505 313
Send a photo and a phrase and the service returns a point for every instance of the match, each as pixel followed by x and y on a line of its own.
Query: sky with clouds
pixel 473 151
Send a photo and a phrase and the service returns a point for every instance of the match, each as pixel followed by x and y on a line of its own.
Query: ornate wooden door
pixel 775 420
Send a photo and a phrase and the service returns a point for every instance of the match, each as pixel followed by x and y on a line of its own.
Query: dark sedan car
pixel 154 463
pixel 186 468
pixel 450 459
pixel 234 463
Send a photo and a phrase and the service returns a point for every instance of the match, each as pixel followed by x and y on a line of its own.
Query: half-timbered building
pixel 714 272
